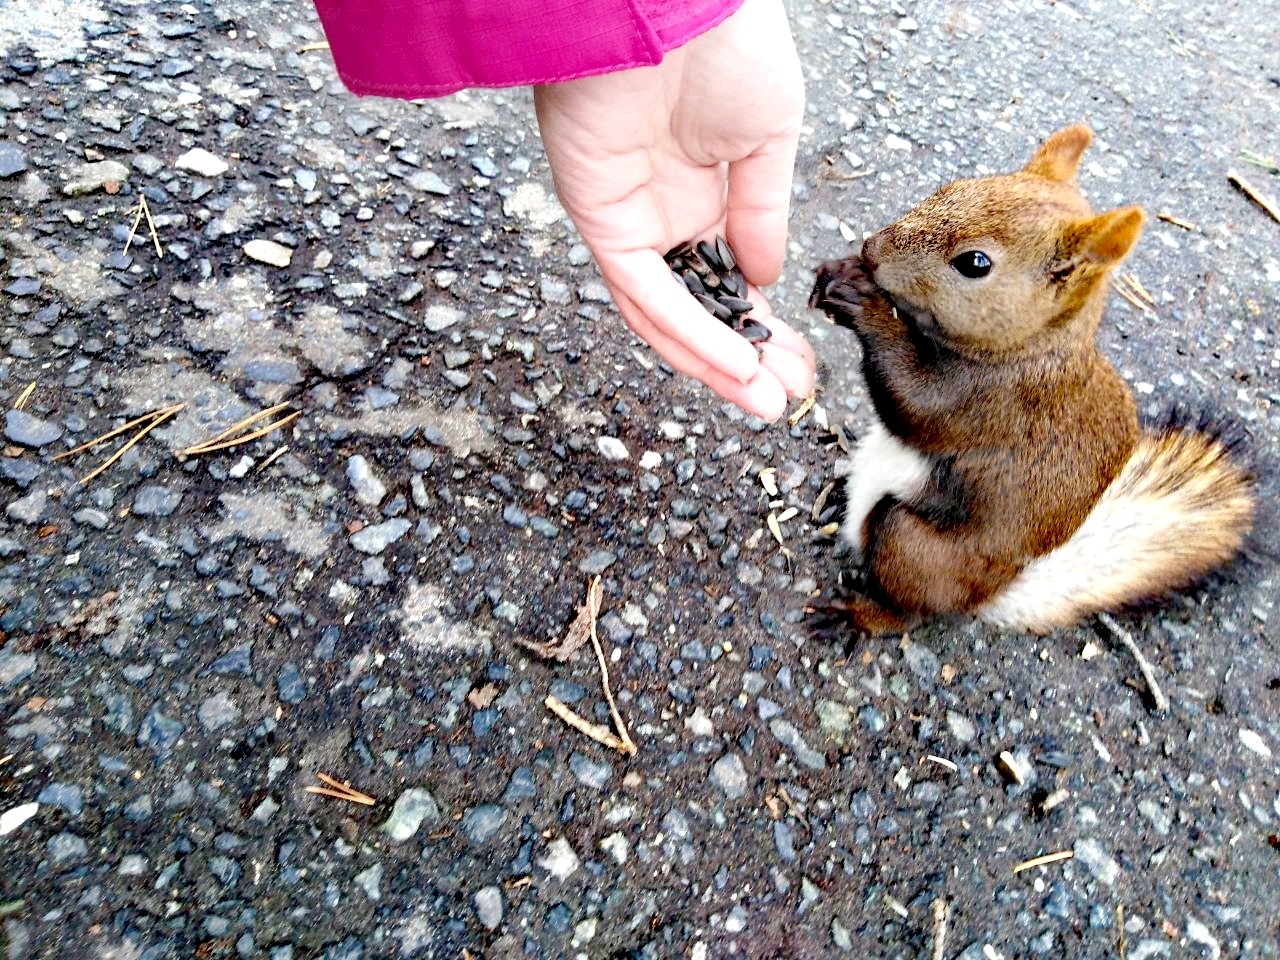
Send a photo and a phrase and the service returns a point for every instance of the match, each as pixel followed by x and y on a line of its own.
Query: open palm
pixel 702 144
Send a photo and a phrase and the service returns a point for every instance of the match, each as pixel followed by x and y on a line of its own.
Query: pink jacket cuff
pixel 429 48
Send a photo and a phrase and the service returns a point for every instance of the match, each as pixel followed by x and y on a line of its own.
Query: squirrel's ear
pixel 1059 157
pixel 1107 238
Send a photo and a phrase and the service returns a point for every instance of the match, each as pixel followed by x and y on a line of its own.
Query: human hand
pixel 701 144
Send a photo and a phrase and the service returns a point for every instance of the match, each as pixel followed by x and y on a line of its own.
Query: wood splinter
pixel 340 791
pixel 621 742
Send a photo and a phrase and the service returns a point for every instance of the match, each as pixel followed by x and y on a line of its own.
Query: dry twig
pixel 578 634
pixel 144 210
pixel 1158 699
pixel 275 455
pixel 628 744
pixel 227 438
pixel 24 396
pixel 340 791
pixel 312 47
pixel 1130 287
pixel 1252 192
pixel 1042 861
pixel 150 421
pixel 585 623
pixel 941 911
pixel 1176 221
pixel 806 405
pixel 595 731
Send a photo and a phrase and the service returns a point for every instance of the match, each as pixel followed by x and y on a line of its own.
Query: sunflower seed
pixel 713 308
pixel 710 273
pixel 698 266
pixel 681 250
pixel 693 283
pixel 725 254
pixel 736 304
pixel 734 283
pixel 707 250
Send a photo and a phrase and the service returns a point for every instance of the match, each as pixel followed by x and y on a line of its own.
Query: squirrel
pixel 1008 476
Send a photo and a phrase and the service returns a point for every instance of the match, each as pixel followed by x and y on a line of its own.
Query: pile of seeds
pixel 711 273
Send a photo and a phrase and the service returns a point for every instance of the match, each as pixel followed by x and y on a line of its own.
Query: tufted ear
pixel 1103 240
pixel 1059 157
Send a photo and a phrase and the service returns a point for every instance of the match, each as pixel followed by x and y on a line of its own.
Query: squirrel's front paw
pixel 842 289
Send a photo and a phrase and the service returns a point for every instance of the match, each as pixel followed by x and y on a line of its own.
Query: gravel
pixel 185 643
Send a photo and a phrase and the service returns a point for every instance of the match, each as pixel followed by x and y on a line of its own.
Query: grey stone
pixel 376 538
pixel 65 796
pixel 482 822
pixel 729 774
pixel 273 371
pixel 369 881
pixel 28 509
pixel 66 848
pixel 488 905
pixel 428 181
pixel 29 430
pixel 88 177
pixel 590 773
pixel 791 738
pixel 597 562
pixel 92 517
pixel 1097 860
pixel 440 316
pixel 369 490
pixel 412 808
pixel 15 667
pixel 159 732
pixel 202 162
pixel 154 500
pixel 20 470
pixel 217 711
pixel 12 159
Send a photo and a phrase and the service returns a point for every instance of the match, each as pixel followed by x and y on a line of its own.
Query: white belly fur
pixel 882 464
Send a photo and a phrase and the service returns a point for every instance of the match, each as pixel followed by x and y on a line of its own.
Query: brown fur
pixel 996 380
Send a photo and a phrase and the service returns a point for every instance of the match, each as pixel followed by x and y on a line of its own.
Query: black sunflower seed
pixel 726 255
pixel 709 271
pixel 736 304
pixel 693 283
pixel 707 251
pixel 734 283
pixel 680 250
pixel 713 308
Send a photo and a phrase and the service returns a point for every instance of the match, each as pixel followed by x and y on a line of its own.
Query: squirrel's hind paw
pixel 850 617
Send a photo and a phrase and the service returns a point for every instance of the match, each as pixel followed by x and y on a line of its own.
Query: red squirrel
pixel 1008 477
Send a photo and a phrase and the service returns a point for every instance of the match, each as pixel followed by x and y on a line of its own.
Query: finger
pixel 643 277
pixel 788 368
pixel 763 395
pixel 758 203
pixel 786 354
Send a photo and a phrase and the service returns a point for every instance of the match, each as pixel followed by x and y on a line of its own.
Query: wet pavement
pixel 189 639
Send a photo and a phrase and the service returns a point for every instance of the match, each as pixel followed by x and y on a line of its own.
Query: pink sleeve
pixel 428 48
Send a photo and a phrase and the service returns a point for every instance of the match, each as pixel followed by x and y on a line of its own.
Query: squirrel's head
pixel 993 264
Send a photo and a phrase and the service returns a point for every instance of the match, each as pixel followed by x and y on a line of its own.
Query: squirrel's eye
pixel 973 264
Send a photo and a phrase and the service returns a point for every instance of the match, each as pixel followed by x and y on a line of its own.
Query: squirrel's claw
pixel 842 287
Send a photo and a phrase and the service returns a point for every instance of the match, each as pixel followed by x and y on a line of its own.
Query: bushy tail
pixel 1181 507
